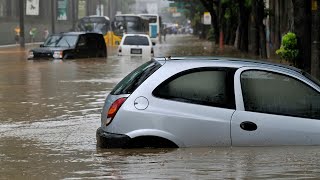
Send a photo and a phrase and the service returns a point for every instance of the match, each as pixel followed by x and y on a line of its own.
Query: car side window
pixel 82 41
pixel 274 93
pixel 212 87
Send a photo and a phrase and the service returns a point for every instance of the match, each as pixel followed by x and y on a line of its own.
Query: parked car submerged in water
pixel 208 101
pixel 136 45
pixel 70 45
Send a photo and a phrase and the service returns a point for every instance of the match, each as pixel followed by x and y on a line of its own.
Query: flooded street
pixel 50 111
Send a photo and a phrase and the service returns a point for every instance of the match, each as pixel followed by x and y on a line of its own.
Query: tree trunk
pixel 222 9
pixel 214 18
pixel 315 47
pixel 254 35
pixel 302 28
pixel 277 33
pixel 262 29
pixel 215 26
pixel 263 41
pixel 243 27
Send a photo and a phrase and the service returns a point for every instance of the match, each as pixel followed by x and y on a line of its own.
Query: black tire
pixel 67 56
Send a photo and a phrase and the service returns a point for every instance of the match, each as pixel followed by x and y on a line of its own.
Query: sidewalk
pixel 15 48
pixel 189 45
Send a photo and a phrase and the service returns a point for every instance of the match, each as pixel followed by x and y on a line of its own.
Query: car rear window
pixel 133 80
pixel 136 40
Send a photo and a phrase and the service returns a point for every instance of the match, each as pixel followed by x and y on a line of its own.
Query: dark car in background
pixel 70 45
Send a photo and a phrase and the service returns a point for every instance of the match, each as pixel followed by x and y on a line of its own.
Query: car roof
pixel 227 62
pixel 106 17
pixel 144 35
pixel 118 15
pixel 76 33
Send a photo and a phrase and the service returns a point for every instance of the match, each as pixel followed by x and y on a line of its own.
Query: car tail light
pixel 114 109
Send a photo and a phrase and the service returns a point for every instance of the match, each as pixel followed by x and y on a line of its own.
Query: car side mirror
pixel 41 45
pixel 153 43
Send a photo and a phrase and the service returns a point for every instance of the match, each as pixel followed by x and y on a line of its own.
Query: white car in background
pixel 136 45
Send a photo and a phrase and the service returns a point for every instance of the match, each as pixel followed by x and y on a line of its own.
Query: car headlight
pixel 58 54
pixel 30 55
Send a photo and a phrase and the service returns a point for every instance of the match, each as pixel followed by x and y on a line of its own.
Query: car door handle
pixel 248 126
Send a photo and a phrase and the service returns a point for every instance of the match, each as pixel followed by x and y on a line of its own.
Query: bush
pixel 289 48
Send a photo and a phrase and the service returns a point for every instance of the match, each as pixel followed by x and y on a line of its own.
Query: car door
pixel 92 45
pixel 196 106
pixel 275 108
pixel 82 49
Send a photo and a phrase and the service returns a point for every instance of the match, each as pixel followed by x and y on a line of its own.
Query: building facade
pixel 52 15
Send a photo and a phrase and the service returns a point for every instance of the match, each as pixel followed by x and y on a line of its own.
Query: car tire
pixel 67 56
pixel 101 54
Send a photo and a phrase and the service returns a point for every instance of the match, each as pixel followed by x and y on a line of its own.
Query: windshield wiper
pixel 67 42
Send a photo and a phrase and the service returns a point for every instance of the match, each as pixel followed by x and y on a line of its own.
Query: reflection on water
pixel 50 111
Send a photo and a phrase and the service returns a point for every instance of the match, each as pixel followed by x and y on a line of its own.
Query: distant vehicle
pixel 129 24
pixel 99 24
pixel 155 26
pixel 70 45
pixel 136 45
pixel 211 101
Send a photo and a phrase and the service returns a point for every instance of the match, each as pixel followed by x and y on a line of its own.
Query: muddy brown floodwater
pixel 50 111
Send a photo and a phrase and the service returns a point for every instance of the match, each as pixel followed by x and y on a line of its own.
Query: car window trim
pixel 238 89
pixel 239 94
pixel 230 81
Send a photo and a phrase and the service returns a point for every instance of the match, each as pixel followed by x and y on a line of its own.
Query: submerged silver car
pixel 210 101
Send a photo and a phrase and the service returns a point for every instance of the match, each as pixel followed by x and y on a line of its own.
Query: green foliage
pixel 289 48
pixel 210 34
pixel 248 3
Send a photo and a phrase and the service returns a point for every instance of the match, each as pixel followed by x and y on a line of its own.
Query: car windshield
pixel 136 40
pixel 132 81
pixel 61 41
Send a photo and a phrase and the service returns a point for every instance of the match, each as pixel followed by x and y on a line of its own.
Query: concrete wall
pixel 44 19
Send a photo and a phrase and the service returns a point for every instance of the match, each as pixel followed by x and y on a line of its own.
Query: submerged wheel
pixel 151 142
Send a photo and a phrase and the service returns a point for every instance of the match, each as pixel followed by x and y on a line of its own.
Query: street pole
pixel 109 10
pixel 21 11
pixel 100 8
pixel 74 8
pixel 53 15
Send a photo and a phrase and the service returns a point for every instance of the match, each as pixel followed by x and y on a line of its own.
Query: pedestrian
pixel 45 34
pixel 32 33
pixel 164 34
pixel 17 34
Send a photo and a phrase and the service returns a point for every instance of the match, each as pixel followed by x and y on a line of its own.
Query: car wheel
pixel 151 142
pixel 102 54
pixel 67 56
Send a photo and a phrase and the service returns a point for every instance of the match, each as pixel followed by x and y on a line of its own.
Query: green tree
pixel 289 48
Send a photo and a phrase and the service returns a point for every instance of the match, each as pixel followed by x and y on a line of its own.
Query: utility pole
pixel 100 8
pixel 53 16
pixel 74 14
pixel 110 10
pixel 21 14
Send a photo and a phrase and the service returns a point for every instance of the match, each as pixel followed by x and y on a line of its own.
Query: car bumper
pixel 110 140
pixel 43 58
